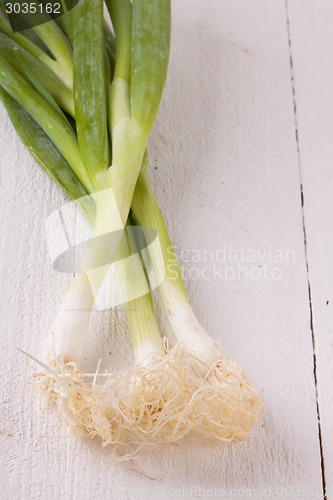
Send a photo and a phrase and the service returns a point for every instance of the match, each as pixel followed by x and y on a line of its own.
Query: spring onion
pixel 113 95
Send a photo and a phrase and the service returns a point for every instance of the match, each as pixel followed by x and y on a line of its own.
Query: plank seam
pixel 292 78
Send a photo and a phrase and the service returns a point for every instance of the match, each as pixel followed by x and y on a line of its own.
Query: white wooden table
pixel 242 160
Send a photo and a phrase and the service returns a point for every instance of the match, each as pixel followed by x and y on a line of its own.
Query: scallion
pixel 100 161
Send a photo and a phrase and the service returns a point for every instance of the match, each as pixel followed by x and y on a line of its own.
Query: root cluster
pixel 158 401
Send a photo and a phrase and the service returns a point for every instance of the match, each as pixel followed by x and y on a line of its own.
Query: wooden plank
pixel 30 292
pixel 224 162
pixel 311 40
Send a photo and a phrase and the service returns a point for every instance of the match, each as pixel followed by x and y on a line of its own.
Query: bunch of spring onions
pixel 83 99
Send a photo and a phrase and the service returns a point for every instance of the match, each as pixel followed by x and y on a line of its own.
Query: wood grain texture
pixel 223 159
pixel 311 39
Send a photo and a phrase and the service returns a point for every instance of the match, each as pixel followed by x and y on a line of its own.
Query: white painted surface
pixel 223 158
pixel 312 48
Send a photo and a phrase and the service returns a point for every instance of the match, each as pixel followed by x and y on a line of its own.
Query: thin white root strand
pixel 228 403
pixel 158 401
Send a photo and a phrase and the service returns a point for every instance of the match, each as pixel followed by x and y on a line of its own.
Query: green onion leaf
pixel 150 56
pixel 90 89
pixel 46 154
pixel 57 128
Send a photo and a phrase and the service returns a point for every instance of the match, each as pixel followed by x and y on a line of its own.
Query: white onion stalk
pixel 68 334
pixel 228 400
